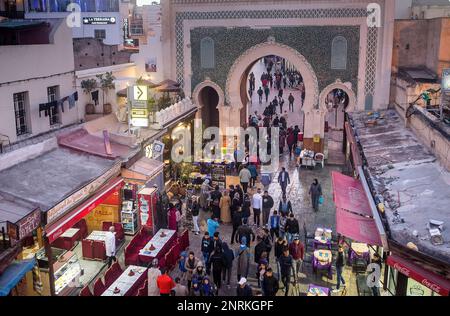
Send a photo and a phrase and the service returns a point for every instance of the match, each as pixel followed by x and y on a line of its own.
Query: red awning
pixel 432 281
pixel 59 227
pixel 349 194
pixel 357 227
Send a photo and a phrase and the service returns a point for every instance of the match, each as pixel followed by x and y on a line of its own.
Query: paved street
pixel 301 202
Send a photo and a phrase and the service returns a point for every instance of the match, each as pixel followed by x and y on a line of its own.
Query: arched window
pixel 339 53
pixel 207 53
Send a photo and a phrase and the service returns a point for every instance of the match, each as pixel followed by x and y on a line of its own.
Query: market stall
pixel 322 238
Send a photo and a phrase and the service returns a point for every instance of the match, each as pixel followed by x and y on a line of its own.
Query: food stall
pixel 322 238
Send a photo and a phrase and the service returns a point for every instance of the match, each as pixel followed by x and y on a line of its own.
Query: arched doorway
pixel 336 99
pixel 282 82
pixel 209 97
pixel 313 117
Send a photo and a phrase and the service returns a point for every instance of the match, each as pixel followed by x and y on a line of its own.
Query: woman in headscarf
pixel 199 272
pixel 173 217
pixel 153 274
pixel 316 192
pixel 243 259
pixel 204 195
pixel 225 207
pixel 190 265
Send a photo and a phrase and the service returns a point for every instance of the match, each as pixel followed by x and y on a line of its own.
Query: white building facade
pixel 32 77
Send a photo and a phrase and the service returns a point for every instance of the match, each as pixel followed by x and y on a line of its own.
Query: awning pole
pixel 375 214
pixel 51 273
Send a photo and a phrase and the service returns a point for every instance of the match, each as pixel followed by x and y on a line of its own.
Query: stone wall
pixel 92 53
pixel 313 42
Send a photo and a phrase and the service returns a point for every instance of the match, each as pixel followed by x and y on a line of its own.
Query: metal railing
pixel 13 14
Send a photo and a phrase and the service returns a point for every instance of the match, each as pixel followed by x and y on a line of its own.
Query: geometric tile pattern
pixel 371 60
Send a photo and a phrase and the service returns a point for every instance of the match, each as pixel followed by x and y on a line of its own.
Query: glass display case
pixel 67 273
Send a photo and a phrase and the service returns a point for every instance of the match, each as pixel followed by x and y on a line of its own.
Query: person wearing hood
pixel 152 275
pixel 195 289
pixel 217 261
pixel 240 192
pixel 228 255
pixel 213 224
pixel 245 231
pixel 206 288
pixel 199 272
pixel 190 264
pixel 243 259
pixel 215 201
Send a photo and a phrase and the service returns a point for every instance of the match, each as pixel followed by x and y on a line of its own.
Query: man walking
pixel 165 283
pixel 292 227
pixel 339 267
pixel 260 93
pixel 274 225
pixel 110 245
pixel 266 92
pixel 297 251
pixel 244 178
pixel 284 180
pixel 291 100
pixel 267 204
pixel 286 268
pixel 270 283
pixel 257 202
pixel 207 247
pixel 244 231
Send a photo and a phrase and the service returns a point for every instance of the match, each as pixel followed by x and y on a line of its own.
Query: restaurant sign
pixel 64 206
pixel 97 20
pixel 25 226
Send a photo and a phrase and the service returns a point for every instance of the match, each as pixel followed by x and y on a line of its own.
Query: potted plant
pixel 106 83
pixel 88 86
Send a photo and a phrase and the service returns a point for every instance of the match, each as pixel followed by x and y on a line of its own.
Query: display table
pixel 128 285
pixel 158 245
pixel 68 239
pixel 93 247
pixel 307 158
pixel 320 242
pixel 322 261
pixel 315 290
pixel 359 251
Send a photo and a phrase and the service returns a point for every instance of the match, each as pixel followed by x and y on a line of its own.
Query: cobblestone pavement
pixel 301 202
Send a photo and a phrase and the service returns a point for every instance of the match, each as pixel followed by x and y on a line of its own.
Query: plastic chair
pixel 319 158
pixel 99 287
pixel 131 256
pixel 86 291
pixel 106 226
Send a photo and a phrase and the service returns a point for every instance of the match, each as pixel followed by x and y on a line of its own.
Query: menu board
pixel 218 176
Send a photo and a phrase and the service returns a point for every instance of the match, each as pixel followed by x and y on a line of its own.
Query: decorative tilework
pixel 371 60
pixel 277 14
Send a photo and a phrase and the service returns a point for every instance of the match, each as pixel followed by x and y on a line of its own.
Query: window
pixel 53 95
pixel 100 34
pixel 339 53
pixel 207 53
pixel 37 5
pixel 20 110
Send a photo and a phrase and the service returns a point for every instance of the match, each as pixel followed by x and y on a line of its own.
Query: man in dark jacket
pixel 267 205
pixel 243 289
pixel 228 255
pixel 284 180
pixel 217 261
pixel 297 251
pixel 286 268
pixel 260 248
pixel 215 198
pixel 280 245
pixel 236 220
pixel 207 247
pixel 245 231
pixel 270 283
pixel 285 206
pixel 292 227
pixel 217 242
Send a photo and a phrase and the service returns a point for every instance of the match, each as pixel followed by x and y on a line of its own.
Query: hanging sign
pixel 316 139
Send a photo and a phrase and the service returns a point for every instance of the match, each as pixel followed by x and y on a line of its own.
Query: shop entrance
pixel 209 100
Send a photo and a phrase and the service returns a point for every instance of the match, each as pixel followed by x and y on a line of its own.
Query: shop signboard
pixel 25 226
pixel 64 206
pixel 154 150
pixel 316 139
pixel 138 96
pixel 147 199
